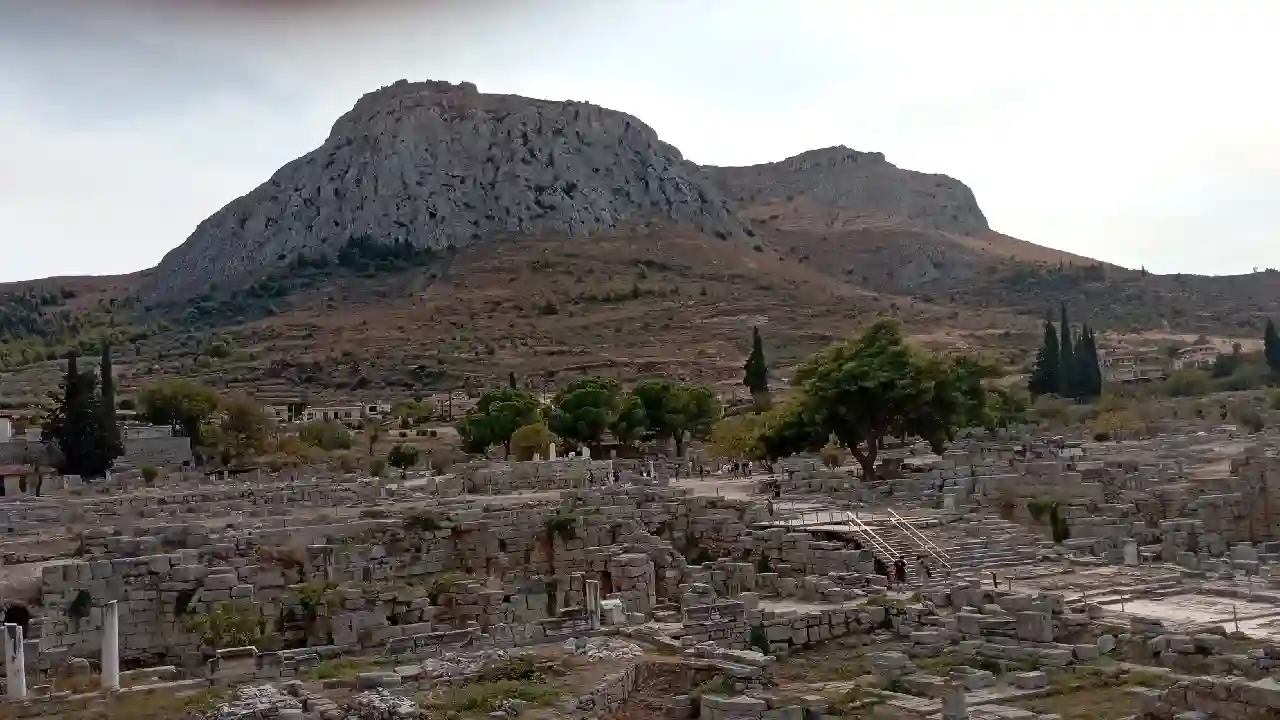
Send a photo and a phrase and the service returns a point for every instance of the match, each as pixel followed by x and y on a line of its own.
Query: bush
pixel 149 473
pixel 422 520
pixel 233 623
pixel 326 435
pixel 532 439
pixel 1188 382
pixel 1248 418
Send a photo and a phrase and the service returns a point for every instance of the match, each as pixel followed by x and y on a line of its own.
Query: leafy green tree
pixel 585 410
pixel 76 426
pixel 403 457
pixel 629 422
pixel 1271 346
pixel 244 428
pixel 495 418
pixel 674 411
pixel 184 405
pixel 1067 369
pixel 875 386
pixel 1045 375
pixel 755 375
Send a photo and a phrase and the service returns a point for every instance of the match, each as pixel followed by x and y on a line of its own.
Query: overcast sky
pixel 1138 132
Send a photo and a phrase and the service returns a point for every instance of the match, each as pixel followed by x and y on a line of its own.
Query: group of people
pixel 898 573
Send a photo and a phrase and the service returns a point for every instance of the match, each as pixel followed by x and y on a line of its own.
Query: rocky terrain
pixel 863 185
pixel 444 166
pixel 474 234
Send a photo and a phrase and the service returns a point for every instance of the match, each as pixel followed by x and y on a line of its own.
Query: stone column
pixel 551 452
pixel 15 662
pixel 1131 553
pixel 111 646
pixel 592 602
pixel 12 486
pixel 953 704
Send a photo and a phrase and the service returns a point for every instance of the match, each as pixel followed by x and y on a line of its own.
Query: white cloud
pixel 1138 132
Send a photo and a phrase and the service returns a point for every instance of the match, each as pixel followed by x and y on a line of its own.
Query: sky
pixel 1144 133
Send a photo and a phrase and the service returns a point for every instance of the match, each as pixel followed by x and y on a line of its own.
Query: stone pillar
pixel 1131 553
pixel 551 452
pixel 592 603
pixel 953 704
pixel 111 646
pixel 15 662
pixel 586 452
pixel 12 486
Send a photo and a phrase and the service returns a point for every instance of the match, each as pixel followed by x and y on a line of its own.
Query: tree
pixel 875 386
pixel 628 424
pixel 1088 375
pixel 511 380
pixel 755 375
pixel 108 402
pixel 585 409
pixel 1067 369
pixel 372 432
pixel 244 428
pixel 183 405
pixel 532 439
pixel 1045 375
pixel 674 411
pixel 1271 347
pixel 403 457
pixel 76 426
pixel 737 437
pixel 495 418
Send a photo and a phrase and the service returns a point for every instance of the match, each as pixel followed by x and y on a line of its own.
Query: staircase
pixel 897 539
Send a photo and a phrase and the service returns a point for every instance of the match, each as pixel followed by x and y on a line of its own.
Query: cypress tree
pixel 1067 370
pixel 756 372
pixel 511 380
pixel 76 426
pixel 1095 365
pixel 1271 347
pixel 1044 376
pixel 1088 373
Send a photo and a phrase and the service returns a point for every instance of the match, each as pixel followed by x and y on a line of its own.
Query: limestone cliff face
pixel 860 182
pixel 440 166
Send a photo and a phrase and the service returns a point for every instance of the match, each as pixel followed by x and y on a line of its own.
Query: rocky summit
pixel 444 166
pixel 860 182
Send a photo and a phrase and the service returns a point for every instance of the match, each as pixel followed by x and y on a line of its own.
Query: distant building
pixel 345 414
pixel 1133 366
pixel 1196 356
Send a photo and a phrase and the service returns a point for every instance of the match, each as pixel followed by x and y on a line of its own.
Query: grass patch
pixel 1092 693
pixel 483 698
pixel 344 668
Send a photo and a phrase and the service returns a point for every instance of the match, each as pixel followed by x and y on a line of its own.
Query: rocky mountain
pixel 861 184
pixel 444 166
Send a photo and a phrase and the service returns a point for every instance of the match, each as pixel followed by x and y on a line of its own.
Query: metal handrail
pixel 856 523
pixel 919 538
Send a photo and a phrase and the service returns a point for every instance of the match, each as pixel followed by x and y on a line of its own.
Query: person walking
pixel 900 569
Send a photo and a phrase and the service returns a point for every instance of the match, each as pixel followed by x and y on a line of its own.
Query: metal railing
pixel 878 544
pixel 919 538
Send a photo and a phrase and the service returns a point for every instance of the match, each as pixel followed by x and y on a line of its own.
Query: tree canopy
pixel 184 405
pixel 585 410
pixel 496 418
pixel 874 387
pixel 675 411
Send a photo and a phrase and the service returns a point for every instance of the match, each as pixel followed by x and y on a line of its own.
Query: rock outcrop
pixel 859 182
pixel 445 166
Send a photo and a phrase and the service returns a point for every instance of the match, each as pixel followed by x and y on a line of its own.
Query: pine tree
pixel 756 372
pixel 111 430
pixel 1044 376
pixel 1271 347
pixel 1067 369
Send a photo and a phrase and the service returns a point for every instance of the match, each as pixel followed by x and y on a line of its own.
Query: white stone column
pixel 15 662
pixel 592 602
pixel 551 452
pixel 111 646
pixel 1131 553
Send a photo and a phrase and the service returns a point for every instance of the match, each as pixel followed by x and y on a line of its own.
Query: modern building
pixel 1131 366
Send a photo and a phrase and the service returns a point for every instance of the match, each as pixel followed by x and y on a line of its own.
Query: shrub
pixel 232 623
pixel 149 473
pixel 566 526
pixel 422 520
pixel 1249 418
pixel 326 435
pixel 531 439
